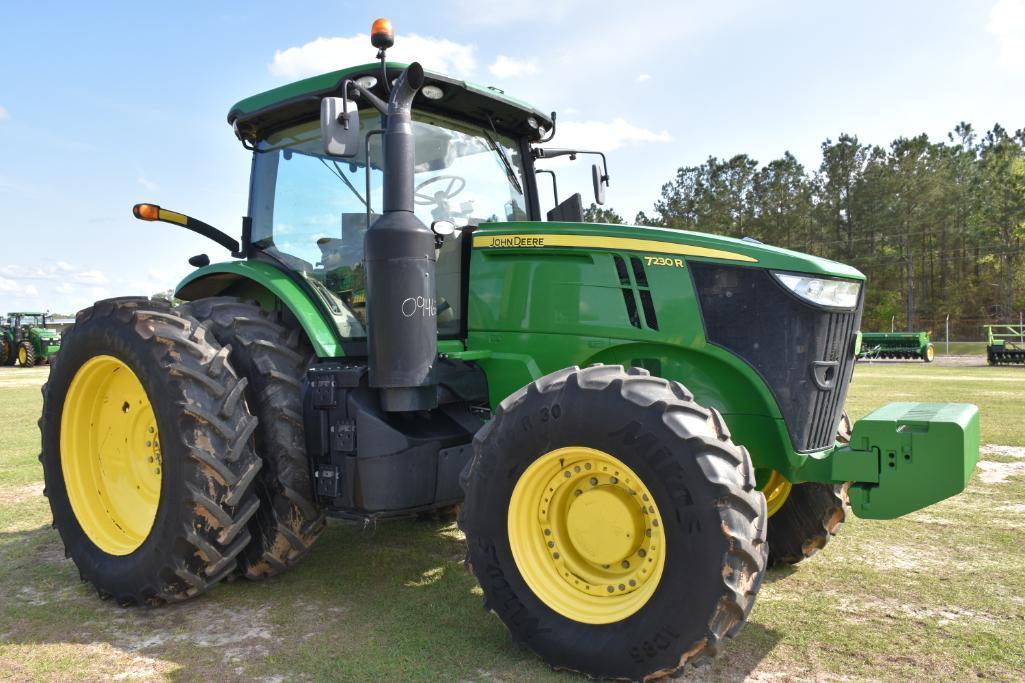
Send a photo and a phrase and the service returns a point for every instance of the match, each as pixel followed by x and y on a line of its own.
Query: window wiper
pixel 509 171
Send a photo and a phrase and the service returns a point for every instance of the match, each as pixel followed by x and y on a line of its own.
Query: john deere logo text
pixel 515 241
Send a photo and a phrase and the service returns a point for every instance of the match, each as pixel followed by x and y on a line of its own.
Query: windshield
pixel 310 209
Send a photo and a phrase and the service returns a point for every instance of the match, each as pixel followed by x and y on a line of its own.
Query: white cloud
pixel 327 54
pixel 4 114
pixel 90 277
pixel 31 290
pixel 65 266
pixel 64 288
pixel 643 77
pixel 507 67
pixel 148 184
pixel 605 136
pixel 1007 23
pixel 9 285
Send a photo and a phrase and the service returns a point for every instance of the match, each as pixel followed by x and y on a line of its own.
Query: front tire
pixel 929 354
pixel 273 355
pixel 147 453
pixel 26 354
pixel 812 514
pixel 612 524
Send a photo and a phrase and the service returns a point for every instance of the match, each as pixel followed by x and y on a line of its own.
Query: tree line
pixel 937 227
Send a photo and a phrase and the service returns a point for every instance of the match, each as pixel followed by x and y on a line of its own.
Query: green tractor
pixel 635 421
pixel 26 340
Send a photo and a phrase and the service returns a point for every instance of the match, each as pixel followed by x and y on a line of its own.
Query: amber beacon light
pixel 382 36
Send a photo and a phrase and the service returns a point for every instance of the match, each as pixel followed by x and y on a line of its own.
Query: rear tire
pixel 929 354
pixel 204 460
pixel 811 515
pixel 701 487
pixel 7 356
pixel 273 355
pixel 26 354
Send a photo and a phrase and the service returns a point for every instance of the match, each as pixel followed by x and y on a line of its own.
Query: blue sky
pixel 103 105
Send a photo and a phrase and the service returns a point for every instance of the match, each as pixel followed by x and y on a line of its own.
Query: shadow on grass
pixel 390 601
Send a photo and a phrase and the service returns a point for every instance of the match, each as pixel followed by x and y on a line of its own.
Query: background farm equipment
pixel 909 345
pixel 26 341
pixel 1005 344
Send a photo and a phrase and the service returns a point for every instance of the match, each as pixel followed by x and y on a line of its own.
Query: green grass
pixel 935 595
pixel 972 348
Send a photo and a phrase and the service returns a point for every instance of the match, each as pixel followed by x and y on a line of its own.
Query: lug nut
pixel 594 481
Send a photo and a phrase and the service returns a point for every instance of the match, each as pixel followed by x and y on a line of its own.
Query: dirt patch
pixel 898 557
pixel 998 472
pixel 863 610
pixel 1008 451
pixel 239 634
pixel 21 494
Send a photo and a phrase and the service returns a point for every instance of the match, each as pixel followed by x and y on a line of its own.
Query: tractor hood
pixel 519 235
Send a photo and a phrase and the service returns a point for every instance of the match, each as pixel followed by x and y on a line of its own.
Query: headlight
pixel 822 291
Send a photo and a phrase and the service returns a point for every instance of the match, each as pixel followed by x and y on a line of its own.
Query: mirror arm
pixel 552 152
pixel 379 104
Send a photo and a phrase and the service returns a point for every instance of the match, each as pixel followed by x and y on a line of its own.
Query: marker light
pixel 381 34
pixel 146 212
pixel 532 122
pixel 367 82
pixel 432 92
pixel 822 291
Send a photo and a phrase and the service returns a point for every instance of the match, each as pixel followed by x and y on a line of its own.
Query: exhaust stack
pixel 402 334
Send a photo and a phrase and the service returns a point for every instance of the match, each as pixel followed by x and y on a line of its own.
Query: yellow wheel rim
pixel 930 352
pixel 776 490
pixel 22 355
pixel 586 535
pixel 110 455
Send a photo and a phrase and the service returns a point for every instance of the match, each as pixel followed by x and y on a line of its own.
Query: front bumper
pixel 904 457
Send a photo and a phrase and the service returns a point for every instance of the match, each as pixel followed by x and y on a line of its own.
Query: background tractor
pixel 25 340
pixel 636 420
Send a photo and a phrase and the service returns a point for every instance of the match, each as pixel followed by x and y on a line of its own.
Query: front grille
pixel 804 353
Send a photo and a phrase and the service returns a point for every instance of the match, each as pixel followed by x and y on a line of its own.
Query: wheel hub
pixel 586 535
pixel 776 490
pixel 110 455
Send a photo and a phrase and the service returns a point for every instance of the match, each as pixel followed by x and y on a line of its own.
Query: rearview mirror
pixel 339 127
pixel 599 181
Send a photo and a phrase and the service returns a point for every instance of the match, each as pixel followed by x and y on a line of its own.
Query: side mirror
pixel 339 127
pixel 599 181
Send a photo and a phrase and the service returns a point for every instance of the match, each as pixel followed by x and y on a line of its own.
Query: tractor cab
pixel 310 210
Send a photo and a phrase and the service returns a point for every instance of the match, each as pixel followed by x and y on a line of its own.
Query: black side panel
pixel 369 462
pixel 805 353
pixel 570 210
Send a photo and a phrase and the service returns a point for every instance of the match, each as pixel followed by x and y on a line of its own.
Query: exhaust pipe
pixel 402 324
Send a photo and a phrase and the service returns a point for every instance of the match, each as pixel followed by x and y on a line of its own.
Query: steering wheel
pixel 454 187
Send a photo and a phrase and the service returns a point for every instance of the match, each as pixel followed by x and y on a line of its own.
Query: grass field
pixel 939 594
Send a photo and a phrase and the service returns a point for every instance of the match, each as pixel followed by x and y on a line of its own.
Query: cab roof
pixel 255 117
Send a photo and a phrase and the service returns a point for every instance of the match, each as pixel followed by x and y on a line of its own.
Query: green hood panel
pixel 638 238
